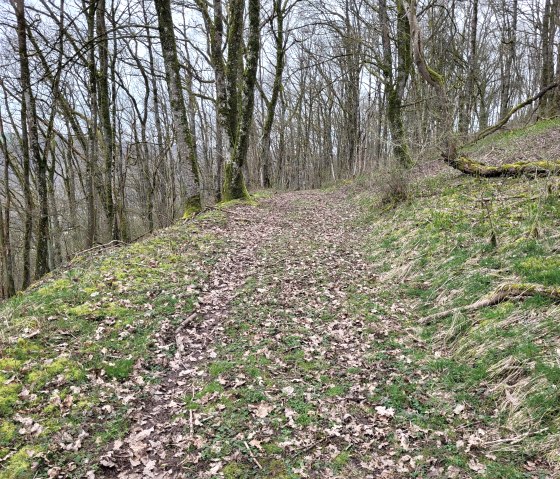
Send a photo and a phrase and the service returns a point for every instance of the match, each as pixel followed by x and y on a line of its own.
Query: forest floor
pixel 281 339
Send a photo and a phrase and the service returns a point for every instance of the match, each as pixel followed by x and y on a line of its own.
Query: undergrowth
pixel 454 242
pixel 75 348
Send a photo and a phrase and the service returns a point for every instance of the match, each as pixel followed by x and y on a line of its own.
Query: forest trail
pixel 281 339
pixel 275 371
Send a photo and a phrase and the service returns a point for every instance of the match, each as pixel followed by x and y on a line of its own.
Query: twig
pixel 223 210
pixel 252 455
pixel 486 202
pixel 503 293
pixel 186 322
pixel 516 439
pixel 406 272
pixel 310 446
pixel 191 421
pixel 183 325
pixel 110 244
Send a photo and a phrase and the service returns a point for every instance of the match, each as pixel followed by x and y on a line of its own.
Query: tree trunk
pixel 29 123
pixel 91 162
pixel 102 41
pixel 162 155
pixel 55 249
pixel 522 168
pixel 234 184
pixel 70 187
pixel 509 41
pixel 548 33
pixel 5 219
pixel 271 104
pixel 395 87
pixel 3 272
pixel 469 93
pixel 185 139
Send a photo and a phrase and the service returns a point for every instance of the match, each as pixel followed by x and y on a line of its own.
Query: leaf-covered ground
pixel 281 340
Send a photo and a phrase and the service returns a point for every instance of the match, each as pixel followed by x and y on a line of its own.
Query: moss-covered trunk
pixel 234 183
pixel 236 79
pixel 185 139
pixel 30 130
pixel 5 221
pixel 396 78
pixel 105 118
pixel 396 126
pixel 522 168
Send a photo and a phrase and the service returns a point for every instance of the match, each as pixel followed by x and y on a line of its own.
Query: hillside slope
pixel 285 340
pixel 458 241
pixel 535 142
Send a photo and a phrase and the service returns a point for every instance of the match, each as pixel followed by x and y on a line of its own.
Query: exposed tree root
pixel 506 292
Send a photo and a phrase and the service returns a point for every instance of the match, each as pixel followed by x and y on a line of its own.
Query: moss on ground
pixel 70 340
pixel 456 241
pixel 23 464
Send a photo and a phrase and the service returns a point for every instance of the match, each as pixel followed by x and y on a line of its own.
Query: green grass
pixel 120 369
pixel 540 269
pixel 95 319
pixel 340 461
pixel 443 237
pixel 507 138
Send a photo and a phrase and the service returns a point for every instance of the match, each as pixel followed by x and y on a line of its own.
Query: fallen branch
pixel 521 168
pixel 191 417
pixel 186 322
pixel 516 439
pixel 96 248
pixel 230 212
pixel 252 455
pixel 529 101
pixel 506 292
pixel 471 167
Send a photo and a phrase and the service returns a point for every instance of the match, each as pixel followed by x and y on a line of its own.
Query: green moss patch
pixel 72 337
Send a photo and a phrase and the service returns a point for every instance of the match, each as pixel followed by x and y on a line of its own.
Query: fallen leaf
pixel 384 411
pixel 263 410
pixel 288 390
pixel 459 409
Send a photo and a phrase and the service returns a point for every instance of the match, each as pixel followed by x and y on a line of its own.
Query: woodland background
pixel 118 117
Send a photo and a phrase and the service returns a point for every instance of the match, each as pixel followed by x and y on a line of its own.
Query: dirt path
pixel 286 367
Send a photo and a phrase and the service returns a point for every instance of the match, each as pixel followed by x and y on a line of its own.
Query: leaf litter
pixel 284 373
pixel 291 364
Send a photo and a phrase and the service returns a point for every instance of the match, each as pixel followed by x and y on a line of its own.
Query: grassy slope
pixel 95 324
pixel 538 141
pixel 75 347
pixel 503 361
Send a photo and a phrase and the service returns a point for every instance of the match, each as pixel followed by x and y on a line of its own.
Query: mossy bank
pixel 78 347
pixel 457 240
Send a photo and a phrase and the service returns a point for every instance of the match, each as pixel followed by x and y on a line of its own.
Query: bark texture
pixel 185 139
pixel 234 183
pixel 29 118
